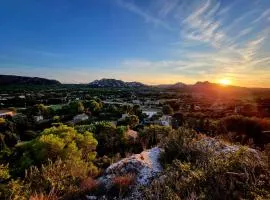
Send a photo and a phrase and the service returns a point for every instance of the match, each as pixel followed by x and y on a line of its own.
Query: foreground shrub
pixel 9 188
pixel 43 197
pixel 203 168
pixel 4 172
pixel 153 134
pixel 177 146
pixel 178 182
pixel 14 189
pixel 61 178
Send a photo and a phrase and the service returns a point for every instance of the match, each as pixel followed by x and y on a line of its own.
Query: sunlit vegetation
pixel 201 172
pixel 46 154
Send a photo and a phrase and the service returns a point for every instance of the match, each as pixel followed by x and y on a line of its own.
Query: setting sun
pixel 225 82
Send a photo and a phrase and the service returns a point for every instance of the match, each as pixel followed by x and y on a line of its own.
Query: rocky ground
pixel 146 165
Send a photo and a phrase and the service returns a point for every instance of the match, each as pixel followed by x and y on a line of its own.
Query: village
pixel 159 107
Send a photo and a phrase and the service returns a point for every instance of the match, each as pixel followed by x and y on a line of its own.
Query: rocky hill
pixel 103 83
pixel 22 80
pixel 178 85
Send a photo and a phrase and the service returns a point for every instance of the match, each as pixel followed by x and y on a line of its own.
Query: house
pixel 152 102
pixel 80 118
pixel 138 102
pixel 38 118
pixel 6 113
pixel 166 120
pixel 197 108
pixel 21 97
pixel 150 113
pixel 123 117
pixel 238 109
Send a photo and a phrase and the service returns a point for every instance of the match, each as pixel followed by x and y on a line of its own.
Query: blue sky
pixel 153 41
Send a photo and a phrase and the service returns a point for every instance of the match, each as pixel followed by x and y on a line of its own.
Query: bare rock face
pixel 145 166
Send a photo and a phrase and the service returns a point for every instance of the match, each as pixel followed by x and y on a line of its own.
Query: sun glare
pixel 225 82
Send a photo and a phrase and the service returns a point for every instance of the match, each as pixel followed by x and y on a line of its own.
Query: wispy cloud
pixel 147 17
pixel 167 6
pixel 236 39
pixel 245 31
pixel 201 26
pixel 264 15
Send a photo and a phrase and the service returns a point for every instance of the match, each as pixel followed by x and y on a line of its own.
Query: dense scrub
pixel 203 168
pixel 56 161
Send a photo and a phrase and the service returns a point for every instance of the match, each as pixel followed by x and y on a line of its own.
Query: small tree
pixel 76 107
pixel 132 121
pixel 167 110
pixel 80 107
pixel 57 142
pixel 153 134
pixel 93 105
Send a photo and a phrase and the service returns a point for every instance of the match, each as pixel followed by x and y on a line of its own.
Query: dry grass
pixel 198 173
pixel 42 196
pixel 122 183
pixel 88 184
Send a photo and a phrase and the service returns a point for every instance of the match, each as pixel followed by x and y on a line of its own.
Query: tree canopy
pixel 57 142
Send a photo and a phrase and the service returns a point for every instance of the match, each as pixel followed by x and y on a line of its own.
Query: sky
pixel 151 41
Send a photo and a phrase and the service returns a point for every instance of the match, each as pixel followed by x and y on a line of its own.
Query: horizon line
pixel 146 84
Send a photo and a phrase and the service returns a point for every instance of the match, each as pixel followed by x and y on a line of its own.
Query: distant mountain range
pixel 22 80
pixel 104 83
pixel 6 80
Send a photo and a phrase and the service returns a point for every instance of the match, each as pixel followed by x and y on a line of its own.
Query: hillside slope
pixel 22 80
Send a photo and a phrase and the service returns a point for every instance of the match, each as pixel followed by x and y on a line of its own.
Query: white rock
pixel 219 147
pixel 145 166
pixel 91 197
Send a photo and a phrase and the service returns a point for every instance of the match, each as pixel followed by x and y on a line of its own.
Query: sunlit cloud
pixel 233 47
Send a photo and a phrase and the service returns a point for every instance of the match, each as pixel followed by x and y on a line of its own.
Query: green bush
pixel 14 190
pixel 131 121
pixel 4 172
pixel 9 188
pixel 57 142
pixel 154 134
pixel 112 139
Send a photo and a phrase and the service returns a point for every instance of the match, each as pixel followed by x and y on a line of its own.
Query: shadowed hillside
pixel 22 80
